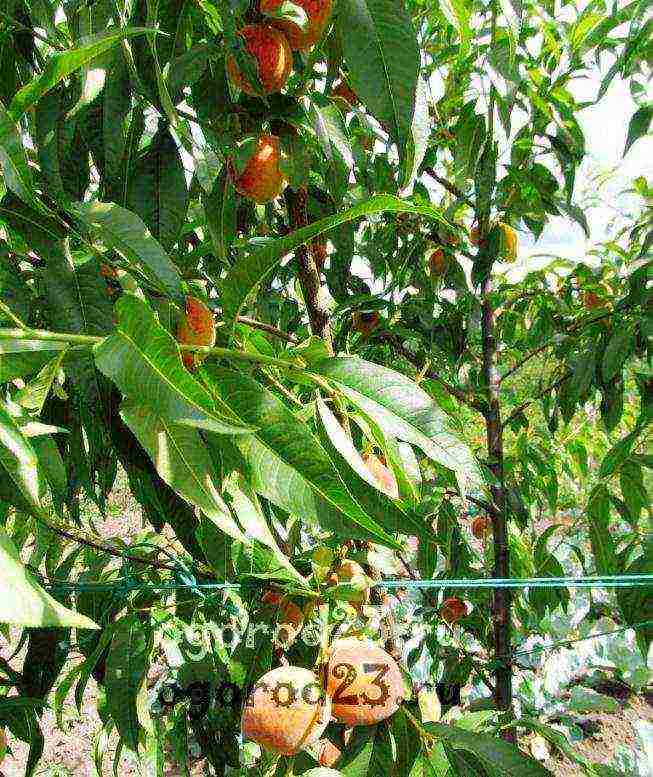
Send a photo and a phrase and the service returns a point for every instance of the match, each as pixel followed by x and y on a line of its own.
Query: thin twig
pixel 272 330
pixel 539 395
pixel 450 187
pixel 454 391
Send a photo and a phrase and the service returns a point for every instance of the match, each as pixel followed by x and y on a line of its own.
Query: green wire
pixel 606 581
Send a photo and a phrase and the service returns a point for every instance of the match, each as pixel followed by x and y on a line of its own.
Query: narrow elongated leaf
pixel 332 136
pixel 282 485
pixel 286 436
pixel 379 751
pixel 20 358
pixel 22 600
pixel 143 360
pixel 381 51
pixel 127 664
pixel 14 292
pixel 13 162
pixel 220 212
pixel 639 125
pixel 246 275
pixel 246 505
pixel 123 230
pixel 361 482
pixel 403 410
pixel 500 758
pixel 157 189
pixel 18 461
pixel 182 460
pixel 61 65
pixel 417 140
pixel 598 514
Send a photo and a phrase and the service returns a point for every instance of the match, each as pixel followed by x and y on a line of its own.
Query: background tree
pixel 254 260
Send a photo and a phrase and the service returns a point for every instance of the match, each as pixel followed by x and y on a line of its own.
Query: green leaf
pixel 13 161
pixel 417 141
pixel 61 65
pixel 247 508
pixel 220 212
pixel 637 604
pixel 639 125
pixel 383 750
pixel 14 292
pixel 124 231
pixel 382 55
pixel 331 132
pixel 598 514
pixel 458 13
pixel 157 190
pixel 22 600
pixel 252 270
pixel 18 461
pixel 616 456
pixel 126 668
pixel 143 360
pixel 287 437
pixel 617 351
pixel 500 758
pixel 21 358
pixel 360 481
pixel 631 480
pixel 182 460
pixel 404 411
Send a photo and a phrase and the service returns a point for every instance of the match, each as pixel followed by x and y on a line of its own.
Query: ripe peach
pixel 286 710
pixel 481 526
pixel 382 474
pixel 351 572
pixel 3 745
pixel 365 322
pixel 452 610
pixel 328 754
pixel 364 682
pixel 261 178
pixel 273 56
pixel 109 272
pixel 344 92
pixel 196 327
pixel 290 618
pixel 438 262
pixel 318 13
pixel 475 236
pixel 591 300
pixel 509 242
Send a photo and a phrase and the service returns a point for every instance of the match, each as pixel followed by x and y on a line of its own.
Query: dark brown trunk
pixel 502 596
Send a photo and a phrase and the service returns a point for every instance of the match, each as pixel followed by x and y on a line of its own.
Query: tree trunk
pixel 502 596
pixel 307 271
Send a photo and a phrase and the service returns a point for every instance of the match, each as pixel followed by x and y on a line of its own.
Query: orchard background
pixel 273 314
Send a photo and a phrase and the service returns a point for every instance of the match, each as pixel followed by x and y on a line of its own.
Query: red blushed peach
pixel 273 56
pixel 261 178
pixel 196 327
pixel 365 684
pixel 318 13
pixel 452 610
pixel 383 476
pixel 286 710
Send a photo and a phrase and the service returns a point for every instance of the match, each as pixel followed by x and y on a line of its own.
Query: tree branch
pixel 307 271
pixel 539 395
pixel 272 330
pixel 454 391
pixel 450 187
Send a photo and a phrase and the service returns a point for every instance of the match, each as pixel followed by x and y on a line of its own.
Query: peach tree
pixel 256 270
